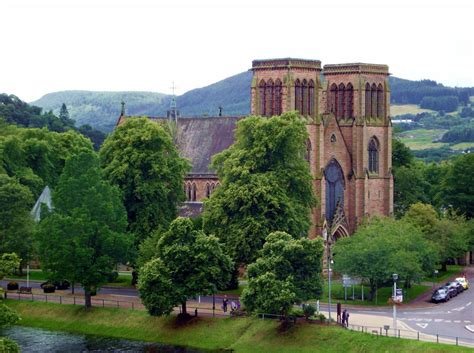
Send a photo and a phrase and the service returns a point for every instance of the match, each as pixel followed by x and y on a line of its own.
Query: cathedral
pixel 346 109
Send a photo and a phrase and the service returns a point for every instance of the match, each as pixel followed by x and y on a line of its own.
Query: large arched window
pixel 304 97
pixel 188 191
pixel 340 101
pixel 298 96
pixel 368 101
pixel 269 98
pixel 349 109
pixel 311 98
pixel 373 155
pixel 277 98
pixel 380 102
pixel 334 188
pixel 208 190
pixel 308 150
pixel 374 100
pixel 332 99
pixel 261 93
pixel 193 192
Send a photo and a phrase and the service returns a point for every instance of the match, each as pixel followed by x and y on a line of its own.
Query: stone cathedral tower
pixel 349 149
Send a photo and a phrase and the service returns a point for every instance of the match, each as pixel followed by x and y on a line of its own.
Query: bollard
pixel 437 338
pixel 457 341
pixel 418 335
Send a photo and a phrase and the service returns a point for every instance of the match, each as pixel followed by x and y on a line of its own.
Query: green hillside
pixel 101 109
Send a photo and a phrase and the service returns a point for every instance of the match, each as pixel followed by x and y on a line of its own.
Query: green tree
pixel 8 317
pixel 457 188
pixel 188 263
pixel 141 159
pixel 16 224
pixel 83 238
pixel 266 185
pixel 380 248
pixel 300 259
pixel 409 187
pixel 401 154
pixel 64 113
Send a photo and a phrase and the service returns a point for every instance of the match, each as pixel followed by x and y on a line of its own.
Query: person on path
pixel 347 319
pixel 344 313
pixel 224 303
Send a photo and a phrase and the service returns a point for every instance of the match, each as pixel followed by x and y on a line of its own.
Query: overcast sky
pixel 53 45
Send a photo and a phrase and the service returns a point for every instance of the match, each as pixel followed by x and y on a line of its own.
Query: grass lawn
pixel 462 146
pixel 383 294
pixel 241 335
pixel 401 109
pixel 444 276
pixel 422 139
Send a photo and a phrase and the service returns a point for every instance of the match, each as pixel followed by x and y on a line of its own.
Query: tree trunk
pixel 134 278
pixel 87 298
pixel 183 306
pixel 373 290
pixel 444 267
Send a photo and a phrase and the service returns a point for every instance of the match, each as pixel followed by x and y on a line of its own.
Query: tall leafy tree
pixel 8 317
pixel 16 224
pixel 265 185
pixel 141 159
pixel 188 263
pixel 382 247
pixel 294 265
pixel 64 113
pixel 457 189
pixel 84 237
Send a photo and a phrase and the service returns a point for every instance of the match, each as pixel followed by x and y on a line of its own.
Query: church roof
pixel 201 138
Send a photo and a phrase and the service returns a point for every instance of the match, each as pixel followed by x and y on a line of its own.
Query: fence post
pixel 418 335
pixel 437 338
pixel 60 299
pixel 457 341
pixel 398 333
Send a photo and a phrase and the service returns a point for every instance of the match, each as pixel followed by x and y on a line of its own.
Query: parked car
pixel 452 291
pixel 464 282
pixel 440 295
pixel 456 285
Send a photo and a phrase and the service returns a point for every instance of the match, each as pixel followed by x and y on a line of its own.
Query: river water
pixel 38 341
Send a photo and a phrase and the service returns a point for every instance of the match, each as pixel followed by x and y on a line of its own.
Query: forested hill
pixel 101 109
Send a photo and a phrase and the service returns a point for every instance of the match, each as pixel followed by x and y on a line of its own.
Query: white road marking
pixel 457 321
pixel 422 325
pixel 459 309
pixel 447 321
pixel 467 321
pixel 468 303
pixel 438 320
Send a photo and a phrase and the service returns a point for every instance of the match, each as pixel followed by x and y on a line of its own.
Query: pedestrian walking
pixel 224 303
pixel 347 319
pixel 344 315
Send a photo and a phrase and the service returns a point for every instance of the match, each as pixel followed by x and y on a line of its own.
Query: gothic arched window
pixel 193 192
pixel 373 155
pixel 380 101
pixel 368 101
pixel 304 98
pixel 340 101
pixel 311 98
pixel 374 100
pixel 188 191
pixel 334 188
pixel 277 98
pixel 349 109
pixel 298 96
pixel 269 98
pixel 261 93
pixel 332 99
pixel 208 190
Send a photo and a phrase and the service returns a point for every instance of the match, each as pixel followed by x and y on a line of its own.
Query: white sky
pixel 53 45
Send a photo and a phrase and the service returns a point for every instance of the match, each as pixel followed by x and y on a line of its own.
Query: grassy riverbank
pixel 241 334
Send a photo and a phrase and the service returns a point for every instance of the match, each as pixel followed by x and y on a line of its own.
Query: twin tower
pixel 349 149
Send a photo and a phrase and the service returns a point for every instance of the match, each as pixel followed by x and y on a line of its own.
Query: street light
pixel 394 297
pixel 435 276
pixel 329 262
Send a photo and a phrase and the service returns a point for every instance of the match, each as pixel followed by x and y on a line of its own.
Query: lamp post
pixel 435 276
pixel 329 262
pixel 394 297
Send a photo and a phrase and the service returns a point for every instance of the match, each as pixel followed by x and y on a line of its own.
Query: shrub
pixel 112 276
pixel 12 285
pixel 308 310
pixel 49 288
pixel 298 312
pixel 322 318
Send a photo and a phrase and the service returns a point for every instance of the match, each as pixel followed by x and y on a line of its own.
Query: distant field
pixel 462 146
pixel 396 109
pixel 422 139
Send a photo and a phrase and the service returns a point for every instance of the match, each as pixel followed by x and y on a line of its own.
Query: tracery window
pixel 208 190
pixel 277 98
pixel 332 99
pixel 261 93
pixel 193 192
pixel 373 155
pixel 349 109
pixel 380 102
pixel 334 188
pixel 374 100
pixel 311 98
pixel 304 98
pixel 340 101
pixel 269 98
pixel 368 101
pixel 298 96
